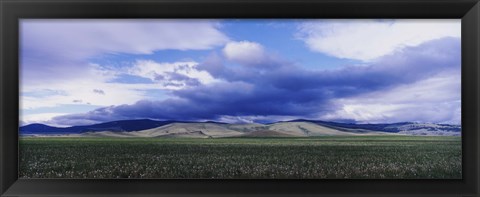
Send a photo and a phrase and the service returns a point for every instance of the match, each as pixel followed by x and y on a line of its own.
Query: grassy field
pixel 320 157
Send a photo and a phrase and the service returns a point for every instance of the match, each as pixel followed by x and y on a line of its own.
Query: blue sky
pixel 77 72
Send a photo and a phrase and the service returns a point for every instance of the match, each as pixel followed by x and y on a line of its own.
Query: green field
pixel 315 157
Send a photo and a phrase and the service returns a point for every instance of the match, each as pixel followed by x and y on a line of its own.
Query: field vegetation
pixel 339 157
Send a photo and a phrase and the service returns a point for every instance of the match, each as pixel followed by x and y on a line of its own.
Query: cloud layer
pixel 56 54
pixel 370 39
pixel 389 87
pixel 382 70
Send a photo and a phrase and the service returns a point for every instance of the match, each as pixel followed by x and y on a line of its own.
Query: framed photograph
pixel 224 98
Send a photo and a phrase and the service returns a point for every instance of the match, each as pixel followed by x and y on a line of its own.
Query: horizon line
pixel 263 123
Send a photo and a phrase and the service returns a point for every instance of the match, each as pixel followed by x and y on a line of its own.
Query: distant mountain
pixel 40 129
pixel 410 128
pixel 115 126
pixel 294 128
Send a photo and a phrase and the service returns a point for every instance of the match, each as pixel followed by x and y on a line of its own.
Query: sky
pixel 87 71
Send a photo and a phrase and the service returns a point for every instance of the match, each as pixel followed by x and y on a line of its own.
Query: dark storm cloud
pixel 404 66
pixel 285 89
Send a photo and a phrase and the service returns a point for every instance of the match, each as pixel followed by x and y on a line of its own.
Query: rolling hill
pixel 294 128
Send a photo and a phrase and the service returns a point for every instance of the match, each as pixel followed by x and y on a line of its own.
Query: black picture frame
pixel 13 10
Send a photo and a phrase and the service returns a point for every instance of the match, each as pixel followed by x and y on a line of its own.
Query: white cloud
pixel 39 118
pixel 369 39
pixel 244 52
pixel 56 50
pixel 86 89
pixel 117 94
pixel 161 73
pixel 436 99
pixel 76 89
pixel 81 38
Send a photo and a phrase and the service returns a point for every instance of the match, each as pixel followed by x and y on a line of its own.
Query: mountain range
pixel 293 128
